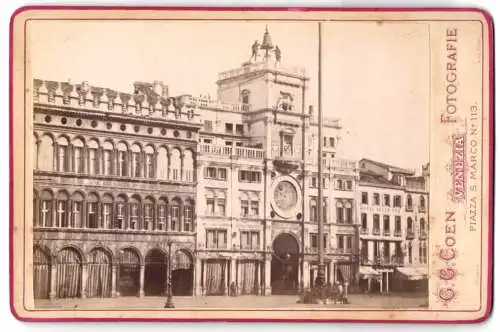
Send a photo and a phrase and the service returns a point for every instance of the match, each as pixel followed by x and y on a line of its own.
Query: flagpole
pixel 321 262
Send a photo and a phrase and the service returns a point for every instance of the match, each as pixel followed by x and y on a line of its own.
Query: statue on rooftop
pixel 255 50
pixel 277 54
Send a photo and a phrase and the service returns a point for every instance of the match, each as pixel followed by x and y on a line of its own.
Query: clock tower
pixel 272 101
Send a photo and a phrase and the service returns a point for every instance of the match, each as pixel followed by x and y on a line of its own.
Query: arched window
pixel 221 203
pixel 45 214
pixel 162 163
pixel 77 210
pixel 175 165
pixel 93 148
pixel 62 210
pixel 210 203
pixel 409 224
pixel 188 215
pixel 92 220
pixel 409 201
pixel 135 212
pixel 149 162
pixel 122 159
pixel 340 212
pixel 107 158
pixel 422 225
pixel 286 138
pixel 348 213
pixel 107 212
pixel 254 204
pixel 62 155
pixel 396 201
pixel 78 157
pixel 422 202
pixel 313 210
pixel 244 204
pixel 175 214
pixel 149 207
pixel 188 166
pixel 46 153
pixel 136 160
pixel 162 214
pixel 120 215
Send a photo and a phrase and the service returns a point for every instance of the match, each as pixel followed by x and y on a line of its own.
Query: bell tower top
pixel 268 51
pixel 261 83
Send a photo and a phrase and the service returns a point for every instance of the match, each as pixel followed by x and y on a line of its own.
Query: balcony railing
pixel 222 150
pixel 389 261
pixel 422 234
pixel 421 208
pixel 376 231
pixel 258 67
pixel 387 232
pixel 397 232
pixel 383 260
pixel 410 234
pixel 363 231
pixel 409 208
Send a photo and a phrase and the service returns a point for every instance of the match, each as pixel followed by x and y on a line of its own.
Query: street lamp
pixel 170 302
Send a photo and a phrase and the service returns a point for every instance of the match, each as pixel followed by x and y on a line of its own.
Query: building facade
pixel 225 189
pixel 257 221
pixel 394 216
pixel 114 185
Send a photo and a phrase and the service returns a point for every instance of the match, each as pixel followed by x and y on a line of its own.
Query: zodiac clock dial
pixel 285 196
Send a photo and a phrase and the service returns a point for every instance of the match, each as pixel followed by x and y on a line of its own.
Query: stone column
pixel 84 280
pixel 259 278
pixel 331 266
pixel 369 284
pixel 387 282
pixel 53 279
pixel 36 214
pixel 198 270
pixel 307 272
pixel 381 283
pixel 114 268
pixel 233 273
pixel 141 281
pixel 371 251
pixel 267 276
pixel 54 214
pixel 229 275
pixel 392 250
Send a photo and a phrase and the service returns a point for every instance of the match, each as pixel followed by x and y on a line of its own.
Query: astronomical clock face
pixel 285 196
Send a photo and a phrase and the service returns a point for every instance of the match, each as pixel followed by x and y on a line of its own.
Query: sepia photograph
pixel 234 164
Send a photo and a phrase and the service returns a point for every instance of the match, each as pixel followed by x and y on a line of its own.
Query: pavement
pixel 226 302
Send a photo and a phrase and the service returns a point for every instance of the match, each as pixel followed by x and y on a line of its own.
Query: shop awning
pixel 366 272
pixel 413 273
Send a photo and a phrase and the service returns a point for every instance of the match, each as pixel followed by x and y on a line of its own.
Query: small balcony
pixel 422 235
pixel 389 261
pixel 376 231
pixel 410 234
pixel 363 231
pixel 387 232
pixel 421 209
pixel 409 208
pixel 398 233
pixel 222 150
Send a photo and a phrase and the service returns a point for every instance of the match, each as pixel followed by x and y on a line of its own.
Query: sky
pixel 375 77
